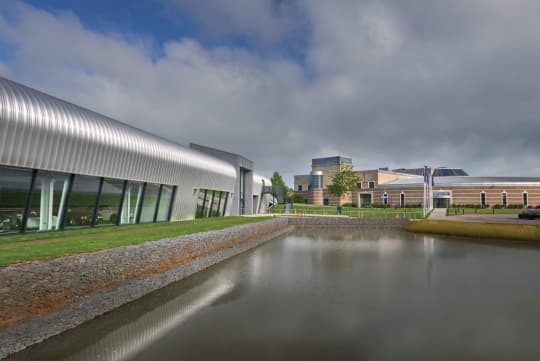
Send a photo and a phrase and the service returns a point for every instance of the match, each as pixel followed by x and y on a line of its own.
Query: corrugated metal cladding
pixel 263 200
pixel 42 132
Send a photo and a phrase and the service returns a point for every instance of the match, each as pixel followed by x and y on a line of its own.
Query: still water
pixel 331 295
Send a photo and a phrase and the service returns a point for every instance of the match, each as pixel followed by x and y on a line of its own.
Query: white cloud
pixel 385 83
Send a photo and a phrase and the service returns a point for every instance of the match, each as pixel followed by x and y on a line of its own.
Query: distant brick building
pixel 404 187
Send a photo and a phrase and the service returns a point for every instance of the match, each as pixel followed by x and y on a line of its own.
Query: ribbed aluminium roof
pixel 40 131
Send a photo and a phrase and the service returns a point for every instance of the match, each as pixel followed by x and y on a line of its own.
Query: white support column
pixel 126 208
pixel 46 202
pixel 62 203
pixel 138 203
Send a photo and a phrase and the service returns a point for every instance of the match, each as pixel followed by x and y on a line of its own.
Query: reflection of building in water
pixel 429 249
pixel 132 338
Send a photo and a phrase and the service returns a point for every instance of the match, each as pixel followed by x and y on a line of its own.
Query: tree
pixel 343 182
pixel 278 182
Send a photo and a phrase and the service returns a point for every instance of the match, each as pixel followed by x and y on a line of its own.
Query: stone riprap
pixel 44 298
pixel 41 299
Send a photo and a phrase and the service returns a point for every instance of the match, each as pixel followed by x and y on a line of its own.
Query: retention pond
pixel 377 294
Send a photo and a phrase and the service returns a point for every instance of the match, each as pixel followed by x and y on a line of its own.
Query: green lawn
pixel 460 211
pixel 29 247
pixel 519 232
pixel 353 211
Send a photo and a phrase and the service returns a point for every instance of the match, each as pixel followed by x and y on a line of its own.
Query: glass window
pixel 165 203
pixel 200 203
pixel 215 204
pixel 402 200
pixel 109 201
pixel 82 201
pixel 48 199
pixel 151 193
pixel 132 202
pixel 525 199
pixel 14 187
pixel 504 198
pixel 371 184
pixel 483 199
pixel 208 203
pixel 242 194
pixel 299 188
pixel 223 205
pixel 365 200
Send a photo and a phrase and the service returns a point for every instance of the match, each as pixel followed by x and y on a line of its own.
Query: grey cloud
pixel 388 83
pixel 266 21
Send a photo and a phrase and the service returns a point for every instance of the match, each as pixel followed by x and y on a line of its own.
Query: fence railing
pixel 361 212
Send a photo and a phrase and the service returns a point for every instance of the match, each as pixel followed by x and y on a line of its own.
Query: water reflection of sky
pixel 320 294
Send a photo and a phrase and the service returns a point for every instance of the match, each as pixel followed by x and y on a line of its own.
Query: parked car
pixel 529 214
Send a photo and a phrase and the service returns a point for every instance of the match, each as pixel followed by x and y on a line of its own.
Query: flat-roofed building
pixel 403 187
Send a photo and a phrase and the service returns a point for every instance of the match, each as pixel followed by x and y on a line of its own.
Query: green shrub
pixel 298 198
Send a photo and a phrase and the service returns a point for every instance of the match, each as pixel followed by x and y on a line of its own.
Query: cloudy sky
pixel 389 83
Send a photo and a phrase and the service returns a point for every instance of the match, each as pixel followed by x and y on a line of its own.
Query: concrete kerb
pixel 130 266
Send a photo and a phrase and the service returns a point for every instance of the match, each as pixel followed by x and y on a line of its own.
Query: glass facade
pixel 215 204
pixel 132 202
pixel 200 203
pixel 223 205
pixel 242 195
pixel 14 187
pixel 32 200
pixel 165 203
pixel 211 203
pixel 150 200
pixel 109 201
pixel 82 201
pixel 48 197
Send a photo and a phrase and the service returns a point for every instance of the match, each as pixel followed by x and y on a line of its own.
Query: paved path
pixel 438 214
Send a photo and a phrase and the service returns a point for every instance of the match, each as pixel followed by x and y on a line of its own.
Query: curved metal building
pixel 75 148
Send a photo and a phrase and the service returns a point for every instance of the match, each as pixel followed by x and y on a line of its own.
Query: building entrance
pixel 442 199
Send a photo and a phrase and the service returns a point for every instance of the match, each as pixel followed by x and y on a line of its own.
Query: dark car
pixel 529 214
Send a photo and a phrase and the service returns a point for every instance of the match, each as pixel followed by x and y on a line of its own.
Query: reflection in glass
pixel 14 186
pixel 200 203
pixel 82 201
pixel 224 198
pixel 208 203
pixel 109 201
pixel 215 204
pixel 48 199
pixel 132 202
pixel 165 203
pixel 151 193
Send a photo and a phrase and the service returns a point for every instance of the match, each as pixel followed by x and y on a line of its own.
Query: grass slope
pixel 519 232
pixel 38 246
